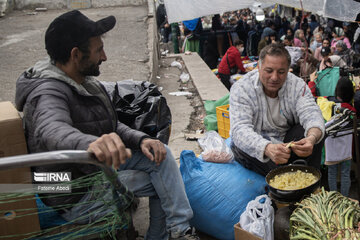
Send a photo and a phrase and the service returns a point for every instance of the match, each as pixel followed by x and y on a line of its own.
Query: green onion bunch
pixel 325 215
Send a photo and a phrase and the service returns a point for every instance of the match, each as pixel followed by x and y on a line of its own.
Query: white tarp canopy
pixel 181 10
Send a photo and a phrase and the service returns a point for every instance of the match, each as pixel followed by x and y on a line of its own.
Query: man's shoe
pixel 189 235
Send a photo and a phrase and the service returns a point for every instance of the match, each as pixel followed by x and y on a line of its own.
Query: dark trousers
pixel 225 79
pixel 294 134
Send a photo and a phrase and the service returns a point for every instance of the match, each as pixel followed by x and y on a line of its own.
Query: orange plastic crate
pixel 223 120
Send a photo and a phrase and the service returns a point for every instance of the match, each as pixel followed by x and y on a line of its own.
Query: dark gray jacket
pixel 60 114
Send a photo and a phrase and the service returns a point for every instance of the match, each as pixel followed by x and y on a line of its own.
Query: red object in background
pixel 235 59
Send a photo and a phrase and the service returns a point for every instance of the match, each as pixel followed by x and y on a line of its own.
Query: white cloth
pixel 338 149
pixel 295 54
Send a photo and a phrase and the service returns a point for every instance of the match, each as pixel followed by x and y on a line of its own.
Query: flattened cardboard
pixel 12 142
pixel 241 234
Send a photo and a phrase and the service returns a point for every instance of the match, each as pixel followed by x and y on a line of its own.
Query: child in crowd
pixel 338 150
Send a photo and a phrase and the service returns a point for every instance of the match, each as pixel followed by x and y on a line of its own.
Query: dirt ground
pixel 22 44
pixel 169 77
pixel 187 117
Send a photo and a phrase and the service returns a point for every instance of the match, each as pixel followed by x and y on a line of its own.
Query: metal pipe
pixel 46 158
pixel 61 157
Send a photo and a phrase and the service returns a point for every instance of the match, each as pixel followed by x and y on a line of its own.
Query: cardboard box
pixel 241 234
pixel 12 139
pixel 12 142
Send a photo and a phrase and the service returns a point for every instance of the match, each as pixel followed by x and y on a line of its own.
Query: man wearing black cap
pixel 65 107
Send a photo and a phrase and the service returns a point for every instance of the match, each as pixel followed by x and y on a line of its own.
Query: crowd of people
pixel 313 42
pixel 262 128
pixel 269 107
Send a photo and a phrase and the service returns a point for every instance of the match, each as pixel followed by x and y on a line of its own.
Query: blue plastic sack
pixel 218 193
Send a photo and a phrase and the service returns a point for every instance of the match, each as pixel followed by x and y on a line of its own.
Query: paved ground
pixel 22 44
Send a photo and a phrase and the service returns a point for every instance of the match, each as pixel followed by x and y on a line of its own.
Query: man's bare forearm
pixel 314 133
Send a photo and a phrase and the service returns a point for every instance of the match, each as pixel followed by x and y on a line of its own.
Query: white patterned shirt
pixel 250 128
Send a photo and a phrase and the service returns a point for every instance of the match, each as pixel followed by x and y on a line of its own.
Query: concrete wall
pixel 6 6
pixel 153 42
pixel 32 4
pixel 112 3
pixel 59 4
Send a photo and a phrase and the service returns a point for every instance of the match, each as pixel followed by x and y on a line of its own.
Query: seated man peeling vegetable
pixel 273 116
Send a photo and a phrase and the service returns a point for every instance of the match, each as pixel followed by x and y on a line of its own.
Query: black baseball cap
pixel 73 28
pixel 325 51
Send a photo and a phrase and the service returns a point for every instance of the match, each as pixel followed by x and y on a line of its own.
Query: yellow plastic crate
pixel 223 120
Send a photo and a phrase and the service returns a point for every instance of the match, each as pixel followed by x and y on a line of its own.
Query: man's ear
pixel 75 54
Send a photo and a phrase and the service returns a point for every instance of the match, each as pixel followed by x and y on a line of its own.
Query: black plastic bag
pixel 140 105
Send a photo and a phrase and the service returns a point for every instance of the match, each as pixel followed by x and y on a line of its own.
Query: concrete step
pixel 205 81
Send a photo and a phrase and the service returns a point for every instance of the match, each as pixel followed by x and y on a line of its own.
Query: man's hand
pixel 278 153
pixel 153 149
pixel 110 149
pixel 313 76
pixel 304 147
pixel 357 88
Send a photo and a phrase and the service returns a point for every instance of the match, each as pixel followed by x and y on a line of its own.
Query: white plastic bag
pixel 180 93
pixel 258 218
pixel 176 64
pixel 215 148
pixel 184 77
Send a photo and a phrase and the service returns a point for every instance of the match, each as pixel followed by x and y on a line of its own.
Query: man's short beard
pixel 90 69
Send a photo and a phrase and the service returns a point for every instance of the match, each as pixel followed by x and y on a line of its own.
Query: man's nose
pixel 103 56
pixel 274 75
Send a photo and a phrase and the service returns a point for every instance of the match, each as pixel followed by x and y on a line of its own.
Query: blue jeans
pixel 170 210
pixel 345 177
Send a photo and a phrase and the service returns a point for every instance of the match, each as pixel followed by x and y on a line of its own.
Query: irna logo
pixel 52 177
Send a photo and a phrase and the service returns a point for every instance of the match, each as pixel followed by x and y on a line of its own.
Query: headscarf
pixel 297 34
pixel 339 31
pixel 341 44
pixel 346 54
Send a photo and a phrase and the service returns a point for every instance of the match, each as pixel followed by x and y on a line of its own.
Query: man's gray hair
pixel 318 34
pixel 274 49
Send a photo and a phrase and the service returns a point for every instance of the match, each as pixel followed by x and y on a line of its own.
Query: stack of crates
pixel 223 120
